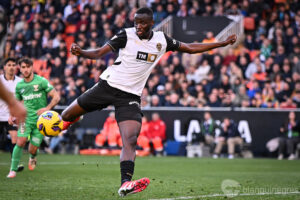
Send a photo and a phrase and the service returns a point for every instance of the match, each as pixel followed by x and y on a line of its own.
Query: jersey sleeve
pixel 172 44
pixel 46 85
pixel 18 93
pixel 118 41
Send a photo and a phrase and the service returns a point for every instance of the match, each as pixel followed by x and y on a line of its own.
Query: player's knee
pixel 66 116
pixel 132 140
pixel 21 143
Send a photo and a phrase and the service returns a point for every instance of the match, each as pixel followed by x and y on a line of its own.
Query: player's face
pixel 143 24
pixel 26 70
pixel 10 68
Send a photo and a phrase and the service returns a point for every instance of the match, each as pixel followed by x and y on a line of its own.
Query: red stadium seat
pixel 69 40
pixel 40 67
pixel 249 23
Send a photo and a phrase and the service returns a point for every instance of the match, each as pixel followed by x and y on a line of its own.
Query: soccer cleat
pixel 132 187
pixel 292 157
pixel 20 168
pixel 215 156
pixel 32 163
pixel 12 174
pixel 67 124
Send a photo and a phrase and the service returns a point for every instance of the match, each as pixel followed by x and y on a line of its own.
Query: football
pixel 50 123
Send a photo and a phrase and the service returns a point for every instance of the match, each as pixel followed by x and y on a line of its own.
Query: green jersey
pixel 34 95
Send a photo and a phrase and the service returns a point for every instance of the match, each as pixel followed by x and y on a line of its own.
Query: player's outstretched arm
pixel 91 54
pixel 55 98
pixel 202 47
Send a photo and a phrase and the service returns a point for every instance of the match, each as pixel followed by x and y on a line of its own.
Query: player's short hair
pixel 10 59
pixel 27 61
pixel 145 10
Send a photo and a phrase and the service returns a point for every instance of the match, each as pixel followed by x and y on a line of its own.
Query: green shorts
pixel 30 131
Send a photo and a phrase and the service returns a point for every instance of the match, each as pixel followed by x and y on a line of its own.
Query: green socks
pixel 34 155
pixel 16 156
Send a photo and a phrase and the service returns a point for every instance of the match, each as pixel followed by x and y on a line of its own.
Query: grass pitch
pixel 94 177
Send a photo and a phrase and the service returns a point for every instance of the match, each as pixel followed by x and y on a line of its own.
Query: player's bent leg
pixel 35 142
pixel 73 111
pixel 72 114
pixel 33 150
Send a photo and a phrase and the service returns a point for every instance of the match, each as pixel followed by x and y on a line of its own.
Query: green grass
pixel 94 177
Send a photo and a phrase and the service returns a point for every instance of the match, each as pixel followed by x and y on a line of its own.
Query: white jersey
pixel 136 59
pixel 10 85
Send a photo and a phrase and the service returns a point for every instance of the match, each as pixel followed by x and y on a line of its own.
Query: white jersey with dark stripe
pixel 10 85
pixel 136 59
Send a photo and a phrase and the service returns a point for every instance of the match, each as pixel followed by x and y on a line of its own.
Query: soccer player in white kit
pixel 9 81
pixel 121 84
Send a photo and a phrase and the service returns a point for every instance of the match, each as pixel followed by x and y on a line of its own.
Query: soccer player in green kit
pixel 33 90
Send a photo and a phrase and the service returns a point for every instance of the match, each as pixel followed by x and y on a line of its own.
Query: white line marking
pixel 70 163
pixel 223 195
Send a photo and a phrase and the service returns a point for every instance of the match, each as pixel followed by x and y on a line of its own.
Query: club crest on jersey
pixel 35 88
pixel 148 57
pixel 158 46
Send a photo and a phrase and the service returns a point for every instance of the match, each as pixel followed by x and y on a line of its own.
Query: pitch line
pixel 68 163
pixel 224 195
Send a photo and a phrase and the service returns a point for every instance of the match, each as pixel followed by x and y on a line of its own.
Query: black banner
pixel 256 127
pixel 190 29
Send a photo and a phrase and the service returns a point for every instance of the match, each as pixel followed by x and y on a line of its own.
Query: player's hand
pixel 18 111
pixel 75 49
pixel 231 39
pixel 40 111
pixel 11 120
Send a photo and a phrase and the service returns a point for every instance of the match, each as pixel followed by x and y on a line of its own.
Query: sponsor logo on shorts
pixel 134 102
pixel 36 140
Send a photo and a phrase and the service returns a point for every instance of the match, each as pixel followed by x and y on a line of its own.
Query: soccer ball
pixel 50 123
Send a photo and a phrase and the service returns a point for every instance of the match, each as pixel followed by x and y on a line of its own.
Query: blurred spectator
pixel 110 133
pixel 202 71
pixel 174 100
pixel 155 102
pixel 55 142
pixel 209 39
pixel 240 97
pixel 43 31
pixel 208 128
pixel 159 14
pixel 289 137
pixel 157 133
pixel 143 140
pixel 229 135
pixel 252 68
pixel 230 57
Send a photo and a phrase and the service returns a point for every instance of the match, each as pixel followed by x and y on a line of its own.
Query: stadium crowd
pixel 263 71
